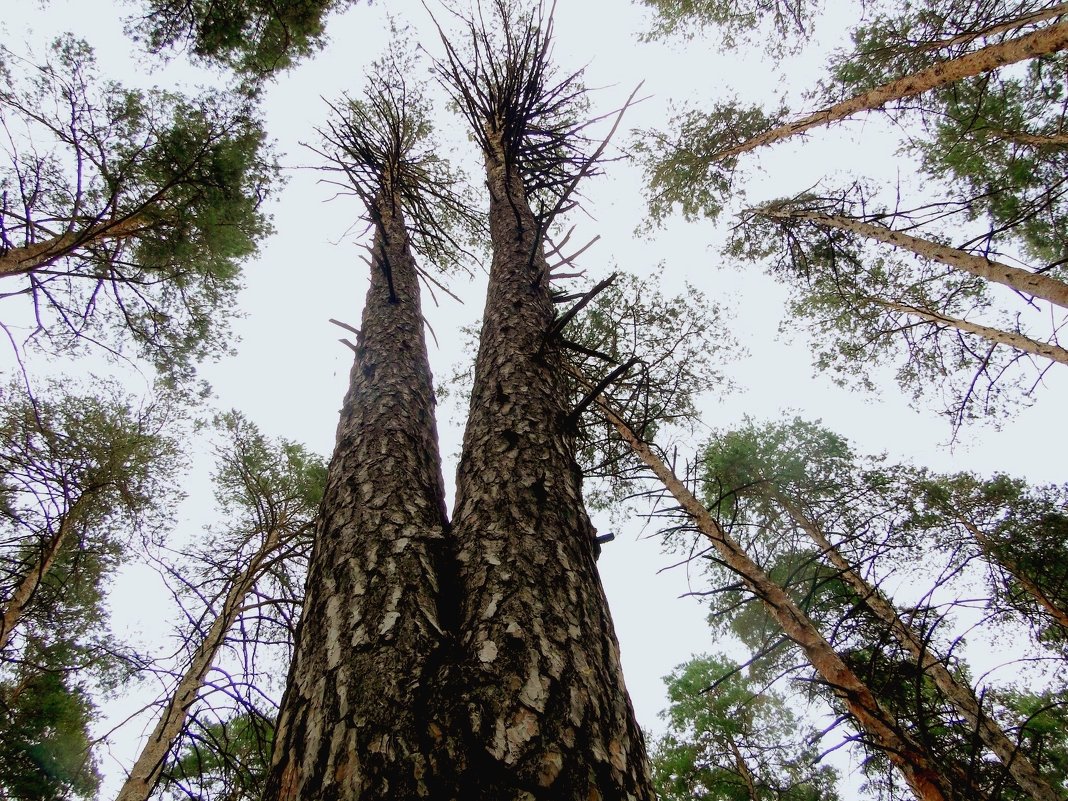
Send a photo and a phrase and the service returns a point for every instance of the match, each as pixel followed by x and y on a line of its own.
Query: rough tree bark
pixel 1014 760
pixel 926 781
pixel 38 255
pixel 146 771
pixel 545 708
pixel 354 721
pixel 1046 40
pixel 1025 281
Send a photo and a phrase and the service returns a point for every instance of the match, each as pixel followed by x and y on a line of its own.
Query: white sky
pixel 290 372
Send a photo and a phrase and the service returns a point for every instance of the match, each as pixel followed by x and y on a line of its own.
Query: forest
pixel 697 364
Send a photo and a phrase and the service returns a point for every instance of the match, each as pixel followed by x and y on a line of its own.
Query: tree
pixel 359 716
pixel 270 493
pixel 126 214
pixel 728 738
pixel 228 760
pixel 988 137
pixel 540 705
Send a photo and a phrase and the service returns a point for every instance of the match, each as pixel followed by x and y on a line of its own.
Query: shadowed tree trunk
pixel 352 723
pixel 546 703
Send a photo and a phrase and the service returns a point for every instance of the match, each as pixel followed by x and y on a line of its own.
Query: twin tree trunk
pixel 355 718
pixel 543 705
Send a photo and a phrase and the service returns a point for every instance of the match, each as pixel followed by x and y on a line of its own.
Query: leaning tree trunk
pixel 914 761
pixel 992 735
pixel 545 714
pixel 37 255
pixel 353 722
pixel 146 771
pixel 1055 353
pixel 20 598
pixel 1046 40
pixel 1025 281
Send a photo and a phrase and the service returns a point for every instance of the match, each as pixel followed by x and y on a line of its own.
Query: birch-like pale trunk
pixel 357 720
pixel 1044 601
pixel 145 773
pixel 993 737
pixel 20 598
pixel 1025 281
pixel 1037 43
pixel 35 256
pixel 541 698
pixel 908 756
pixel 1054 353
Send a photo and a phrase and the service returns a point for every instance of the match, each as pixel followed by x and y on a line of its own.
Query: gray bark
pixel 545 714
pixel 355 721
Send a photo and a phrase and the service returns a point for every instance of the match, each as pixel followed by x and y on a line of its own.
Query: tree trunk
pixel 354 721
pixel 16 604
pixel 27 258
pixel 1018 765
pixel 1017 341
pixel 545 713
pixel 1025 281
pixel 146 771
pixel 913 761
pixel 1047 40
pixel 1036 592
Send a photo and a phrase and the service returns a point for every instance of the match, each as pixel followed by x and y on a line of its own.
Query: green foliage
pixel 44 731
pixel 94 471
pixel 730 740
pixel 680 170
pixel 736 22
pixel 1044 732
pixel 228 760
pixel 146 203
pixel 255 37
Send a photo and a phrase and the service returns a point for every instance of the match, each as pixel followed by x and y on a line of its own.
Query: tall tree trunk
pixel 545 709
pixel 27 258
pixel 1047 40
pixel 1054 353
pixel 354 721
pixel 16 604
pixel 1025 281
pixel 1044 601
pixel 1018 765
pixel 926 781
pixel 146 771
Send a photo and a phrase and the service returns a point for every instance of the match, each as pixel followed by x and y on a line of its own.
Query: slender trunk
pixel 1036 592
pixel 545 709
pixel 743 770
pixel 27 258
pixel 1025 281
pixel 146 771
pixel 1018 765
pixel 910 758
pixel 1047 40
pixel 16 604
pixel 354 721
pixel 1002 27
pixel 1018 341
pixel 1028 139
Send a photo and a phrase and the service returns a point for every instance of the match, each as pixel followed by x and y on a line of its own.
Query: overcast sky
pixel 290 372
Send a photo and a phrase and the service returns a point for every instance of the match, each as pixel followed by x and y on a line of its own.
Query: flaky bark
pixel 145 773
pixel 1018 341
pixel 1025 281
pixel 1047 40
pixel 16 604
pixel 1018 765
pixel 354 721
pixel 913 761
pixel 544 709
pixel 35 256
